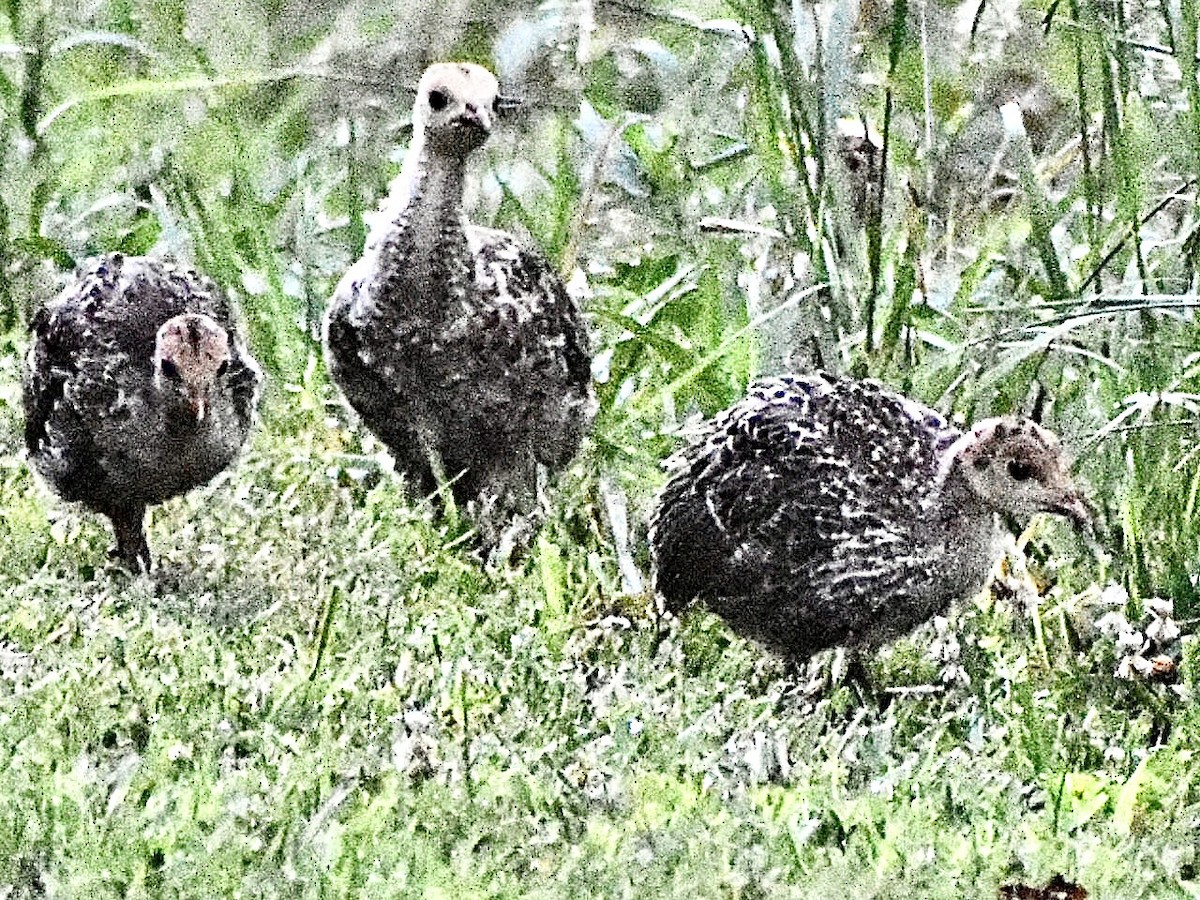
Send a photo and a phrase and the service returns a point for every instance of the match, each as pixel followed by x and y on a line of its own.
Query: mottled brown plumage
pixel 457 345
pixel 137 389
pixel 820 511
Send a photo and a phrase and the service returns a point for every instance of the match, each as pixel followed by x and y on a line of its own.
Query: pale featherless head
pixel 457 105
pixel 191 354
pixel 1017 467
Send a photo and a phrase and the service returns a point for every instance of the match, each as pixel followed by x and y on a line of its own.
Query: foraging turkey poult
pixel 458 346
pixel 137 389
pixel 820 512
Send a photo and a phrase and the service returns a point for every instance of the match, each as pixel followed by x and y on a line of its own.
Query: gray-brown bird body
pixel 457 345
pixel 110 420
pixel 821 512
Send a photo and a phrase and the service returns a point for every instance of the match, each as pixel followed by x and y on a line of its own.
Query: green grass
pixel 319 694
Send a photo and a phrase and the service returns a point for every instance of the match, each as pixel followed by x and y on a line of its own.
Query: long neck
pixel 429 190
pixel 420 230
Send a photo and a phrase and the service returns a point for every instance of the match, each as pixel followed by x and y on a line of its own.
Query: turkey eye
pixel 223 368
pixel 438 100
pixel 1020 471
pixel 168 369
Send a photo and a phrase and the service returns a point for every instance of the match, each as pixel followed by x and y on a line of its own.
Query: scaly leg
pixel 132 550
pixel 508 514
pixel 438 467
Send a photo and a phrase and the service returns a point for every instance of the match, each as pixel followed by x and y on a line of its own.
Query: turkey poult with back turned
pixel 457 345
pixel 137 389
pixel 820 512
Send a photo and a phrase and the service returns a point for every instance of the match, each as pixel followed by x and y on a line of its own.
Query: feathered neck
pixel 427 195
pixel 954 502
pixel 420 230
pixel 949 464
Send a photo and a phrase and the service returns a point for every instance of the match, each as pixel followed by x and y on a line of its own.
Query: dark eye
pixel 223 368
pixel 438 100
pixel 1020 471
pixel 168 369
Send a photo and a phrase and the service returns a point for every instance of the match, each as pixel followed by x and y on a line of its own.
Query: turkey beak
pixel 1074 507
pixel 197 405
pixel 475 118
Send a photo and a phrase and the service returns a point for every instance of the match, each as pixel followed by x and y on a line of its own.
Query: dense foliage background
pixel 992 207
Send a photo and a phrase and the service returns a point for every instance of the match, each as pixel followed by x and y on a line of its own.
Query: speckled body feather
pixel 457 343
pixel 819 512
pixel 96 426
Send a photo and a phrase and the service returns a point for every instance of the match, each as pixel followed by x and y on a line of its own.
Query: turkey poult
pixel 137 389
pixel 458 346
pixel 820 512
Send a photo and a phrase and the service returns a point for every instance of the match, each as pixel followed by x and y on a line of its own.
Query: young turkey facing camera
pixel 457 345
pixel 137 389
